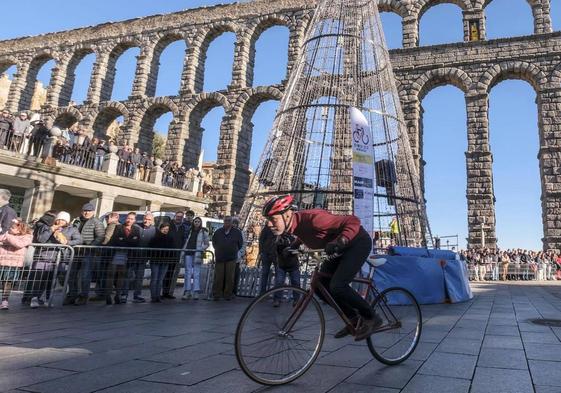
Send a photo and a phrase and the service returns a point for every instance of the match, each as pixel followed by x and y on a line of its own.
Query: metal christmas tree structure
pixel 344 65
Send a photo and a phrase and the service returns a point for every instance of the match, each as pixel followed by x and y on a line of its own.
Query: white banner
pixel 363 170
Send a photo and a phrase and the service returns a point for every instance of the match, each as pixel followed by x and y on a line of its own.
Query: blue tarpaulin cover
pixel 422 252
pixel 431 280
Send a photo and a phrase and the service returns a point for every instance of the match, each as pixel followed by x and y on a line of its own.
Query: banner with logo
pixel 363 170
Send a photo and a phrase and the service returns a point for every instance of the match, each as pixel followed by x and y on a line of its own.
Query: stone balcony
pixel 38 185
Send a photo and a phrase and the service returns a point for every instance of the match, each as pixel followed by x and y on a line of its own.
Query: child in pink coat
pixel 12 253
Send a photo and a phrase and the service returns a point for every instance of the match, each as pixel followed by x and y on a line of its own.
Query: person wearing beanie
pixel 52 228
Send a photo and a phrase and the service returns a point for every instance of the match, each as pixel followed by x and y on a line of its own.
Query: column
pixel 542 16
pixel 154 206
pixel 40 198
pixel 98 75
pixel 549 108
pixel 60 84
pixel 192 79
pixel 242 74
pixel 224 174
pixel 479 166
pixel 27 205
pixel 474 25
pixel 142 72
pixel 17 87
pixel 103 203
pixel 410 31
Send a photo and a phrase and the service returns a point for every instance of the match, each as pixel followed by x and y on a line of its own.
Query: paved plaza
pixel 486 345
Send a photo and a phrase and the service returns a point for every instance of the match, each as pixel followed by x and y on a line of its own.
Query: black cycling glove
pixel 336 246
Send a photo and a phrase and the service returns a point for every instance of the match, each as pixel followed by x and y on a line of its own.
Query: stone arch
pixel 162 43
pixel 35 65
pixel 7 62
pixel 148 116
pixel 254 33
pixel 109 80
pixel 195 111
pixel 440 77
pixel 70 75
pixel 396 6
pixel 202 42
pixel 106 114
pixel 528 72
pixel 66 117
pixel 424 5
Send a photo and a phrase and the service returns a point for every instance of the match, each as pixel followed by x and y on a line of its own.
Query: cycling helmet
pixel 277 205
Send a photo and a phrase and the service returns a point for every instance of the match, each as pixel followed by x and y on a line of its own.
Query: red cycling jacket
pixel 317 227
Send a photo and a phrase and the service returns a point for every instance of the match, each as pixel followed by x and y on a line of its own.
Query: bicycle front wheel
pixel 276 345
pixel 399 335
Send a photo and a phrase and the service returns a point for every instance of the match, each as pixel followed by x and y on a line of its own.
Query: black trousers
pixel 343 270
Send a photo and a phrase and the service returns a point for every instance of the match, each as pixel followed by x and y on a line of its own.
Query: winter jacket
pixel 267 245
pixel 120 239
pixel 6 124
pixel 227 246
pixel 315 228
pixel 21 127
pixel 179 233
pixel 45 256
pixel 146 235
pixel 92 231
pixel 203 242
pixel 72 235
pixel 160 256
pixel 13 248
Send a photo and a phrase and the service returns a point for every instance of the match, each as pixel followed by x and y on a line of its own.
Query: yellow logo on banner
pixel 362 158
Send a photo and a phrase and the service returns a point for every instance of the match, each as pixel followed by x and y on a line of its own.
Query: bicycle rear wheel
pixel 267 353
pixel 399 335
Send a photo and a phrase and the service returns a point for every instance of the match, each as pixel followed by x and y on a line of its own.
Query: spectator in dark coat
pixel 268 254
pixel 87 260
pixel 39 135
pixel 178 231
pixel 227 242
pixel 127 236
pixel 6 129
pixel 160 260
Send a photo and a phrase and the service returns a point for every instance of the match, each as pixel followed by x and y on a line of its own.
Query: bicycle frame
pixel 317 287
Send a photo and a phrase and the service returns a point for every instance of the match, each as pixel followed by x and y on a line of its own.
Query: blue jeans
pixel 159 271
pixel 294 281
pixel 136 276
pixel 81 285
pixel 98 163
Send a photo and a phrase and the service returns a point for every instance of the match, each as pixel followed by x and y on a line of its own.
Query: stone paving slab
pixel 485 345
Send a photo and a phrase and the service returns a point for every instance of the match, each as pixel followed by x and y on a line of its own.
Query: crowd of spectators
pixel 74 146
pixel 112 255
pixel 512 264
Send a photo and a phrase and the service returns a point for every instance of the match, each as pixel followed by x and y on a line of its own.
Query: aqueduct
pixel 474 66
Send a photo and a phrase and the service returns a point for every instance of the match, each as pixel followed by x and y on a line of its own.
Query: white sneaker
pixel 34 303
pixel 186 296
pixel 4 305
pixel 196 296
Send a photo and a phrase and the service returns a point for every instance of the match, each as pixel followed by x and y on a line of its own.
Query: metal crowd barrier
pixel 54 275
pixel 37 279
pixel 494 272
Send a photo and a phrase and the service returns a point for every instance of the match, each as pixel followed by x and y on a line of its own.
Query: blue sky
pixel 514 139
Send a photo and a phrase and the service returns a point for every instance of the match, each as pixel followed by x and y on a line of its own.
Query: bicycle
pixel 289 338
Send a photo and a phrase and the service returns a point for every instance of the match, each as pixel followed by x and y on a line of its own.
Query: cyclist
pixel 344 240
